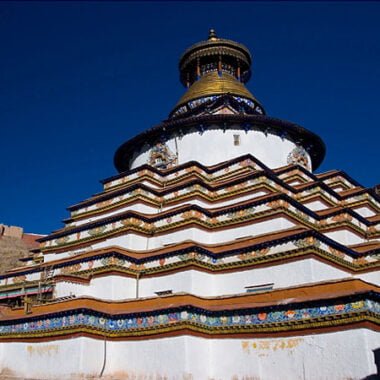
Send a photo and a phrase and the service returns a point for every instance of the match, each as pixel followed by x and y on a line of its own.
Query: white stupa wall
pixel 134 242
pixel 214 146
pixel 107 287
pixel 346 237
pixel 345 354
pixel 137 242
pixel 204 284
pixel 365 211
pixel 151 210
pixel 315 205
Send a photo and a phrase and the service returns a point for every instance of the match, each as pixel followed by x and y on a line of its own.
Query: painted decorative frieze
pixel 253 210
pixel 181 173
pixel 299 156
pixel 161 157
pixel 201 257
pixel 275 319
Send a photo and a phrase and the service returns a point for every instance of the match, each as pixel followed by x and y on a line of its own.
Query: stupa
pixel 214 253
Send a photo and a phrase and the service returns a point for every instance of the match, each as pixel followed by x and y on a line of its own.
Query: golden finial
pixel 212 34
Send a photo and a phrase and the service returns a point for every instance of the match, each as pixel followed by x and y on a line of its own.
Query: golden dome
pixel 213 83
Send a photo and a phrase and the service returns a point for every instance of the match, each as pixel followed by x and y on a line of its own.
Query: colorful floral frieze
pixel 307 242
pixel 71 269
pixel 114 261
pixel 97 231
pixel 279 203
pixel 188 316
pixel 254 254
pixel 341 218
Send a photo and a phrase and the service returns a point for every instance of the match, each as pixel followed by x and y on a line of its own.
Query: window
pixel 236 140
pixel 163 293
pixel 259 288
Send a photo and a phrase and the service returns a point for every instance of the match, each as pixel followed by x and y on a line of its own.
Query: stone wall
pixel 14 245
pixel 11 231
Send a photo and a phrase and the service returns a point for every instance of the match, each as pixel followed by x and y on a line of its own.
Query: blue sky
pixel 77 79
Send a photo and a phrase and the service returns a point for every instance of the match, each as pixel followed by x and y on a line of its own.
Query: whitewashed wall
pixel 365 211
pixel 346 237
pixel 150 210
pixel 315 205
pixel 339 356
pixel 211 285
pixel 215 146
pixel 137 242
pixel 105 288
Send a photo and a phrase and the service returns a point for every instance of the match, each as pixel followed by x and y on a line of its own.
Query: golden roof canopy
pixel 214 83
pixel 213 68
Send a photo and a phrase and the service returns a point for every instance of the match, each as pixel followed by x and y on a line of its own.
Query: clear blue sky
pixel 79 78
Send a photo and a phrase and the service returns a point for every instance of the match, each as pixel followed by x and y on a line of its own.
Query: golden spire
pixel 212 35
